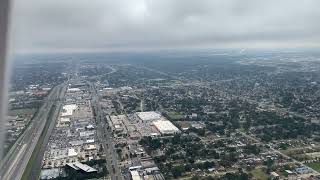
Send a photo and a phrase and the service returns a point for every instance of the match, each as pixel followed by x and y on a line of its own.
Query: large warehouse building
pixel 149 116
pixel 165 127
pixel 68 110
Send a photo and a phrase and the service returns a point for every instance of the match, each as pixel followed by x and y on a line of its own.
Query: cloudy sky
pixel 63 25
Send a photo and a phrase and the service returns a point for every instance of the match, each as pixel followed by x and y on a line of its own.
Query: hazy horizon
pixel 54 26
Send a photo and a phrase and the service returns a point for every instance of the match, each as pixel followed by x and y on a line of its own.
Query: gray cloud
pixel 127 24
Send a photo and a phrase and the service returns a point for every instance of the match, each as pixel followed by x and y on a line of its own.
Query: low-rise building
pixel 165 127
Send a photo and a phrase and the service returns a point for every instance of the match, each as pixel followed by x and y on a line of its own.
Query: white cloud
pixel 122 24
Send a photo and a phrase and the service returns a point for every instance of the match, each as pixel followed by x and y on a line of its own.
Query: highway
pixel 105 137
pixel 113 70
pixel 50 124
pixel 15 161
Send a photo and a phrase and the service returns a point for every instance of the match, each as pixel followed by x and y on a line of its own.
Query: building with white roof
pixel 72 152
pixel 91 147
pixel 135 175
pixel 67 110
pixel 274 174
pixel 89 141
pixel 90 126
pixel 64 120
pixel 149 116
pixel 86 133
pixel 83 167
pixel 165 127
pixel 74 90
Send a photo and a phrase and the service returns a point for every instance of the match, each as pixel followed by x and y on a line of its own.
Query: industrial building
pixel 117 123
pixel 74 137
pixel 68 110
pixel 165 127
pixel 74 90
pixel 83 167
pixel 149 116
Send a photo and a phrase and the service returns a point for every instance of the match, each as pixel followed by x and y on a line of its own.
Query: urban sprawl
pixel 165 116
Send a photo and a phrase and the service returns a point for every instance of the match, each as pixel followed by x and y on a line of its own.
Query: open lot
pixel 314 165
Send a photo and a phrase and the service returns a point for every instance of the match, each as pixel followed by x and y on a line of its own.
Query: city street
pixel 105 137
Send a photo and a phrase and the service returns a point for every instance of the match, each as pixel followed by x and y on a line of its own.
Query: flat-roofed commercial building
pixel 68 110
pixel 165 127
pixel 82 167
pixel 149 116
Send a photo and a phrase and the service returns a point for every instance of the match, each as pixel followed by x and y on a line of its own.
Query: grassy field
pixel 175 115
pixel 30 111
pixel 259 174
pixel 314 165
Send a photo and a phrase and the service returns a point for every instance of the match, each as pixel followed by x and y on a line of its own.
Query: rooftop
pixel 68 109
pixel 72 152
pixel 83 167
pixel 148 116
pixel 165 127
pixel 74 89
pixel 135 175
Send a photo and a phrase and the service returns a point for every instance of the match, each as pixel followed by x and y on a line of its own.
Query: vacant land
pixel 314 165
pixel 259 174
pixel 175 115
pixel 28 111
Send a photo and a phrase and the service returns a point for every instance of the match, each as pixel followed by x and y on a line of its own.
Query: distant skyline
pixel 98 25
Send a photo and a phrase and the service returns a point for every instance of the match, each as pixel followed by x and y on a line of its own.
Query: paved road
pixel 105 137
pixel 14 163
pixel 113 70
pixel 36 168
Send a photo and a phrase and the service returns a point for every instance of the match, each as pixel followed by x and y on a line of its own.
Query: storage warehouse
pixel 165 127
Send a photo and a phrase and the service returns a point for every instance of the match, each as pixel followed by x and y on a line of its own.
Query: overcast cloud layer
pixel 48 25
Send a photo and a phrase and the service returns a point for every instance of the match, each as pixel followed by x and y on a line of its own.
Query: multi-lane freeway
pixel 14 163
pixel 105 137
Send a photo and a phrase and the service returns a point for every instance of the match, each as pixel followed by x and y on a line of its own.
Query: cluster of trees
pixel 200 132
pixel 179 170
pixel 36 73
pixel 130 104
pixel 151 143
pixel 130 75
pixel 252 149
pixel 235 176
pixel 177 140
pixel 95 70
pixel 228 159
pixel 288 128
pixel 214 128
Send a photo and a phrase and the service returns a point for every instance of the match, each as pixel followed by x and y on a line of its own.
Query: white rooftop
pixel 135 175
pixel 165 127
pixel 84 167
pixel 91 147
pixel 68 109
pixel 274 174
pixel 148 116
pixel 72 152
pixel 90 141
pixel 90 126
pixel 74 90
pixel 76 143
pixel 86 133
pixel 64 120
